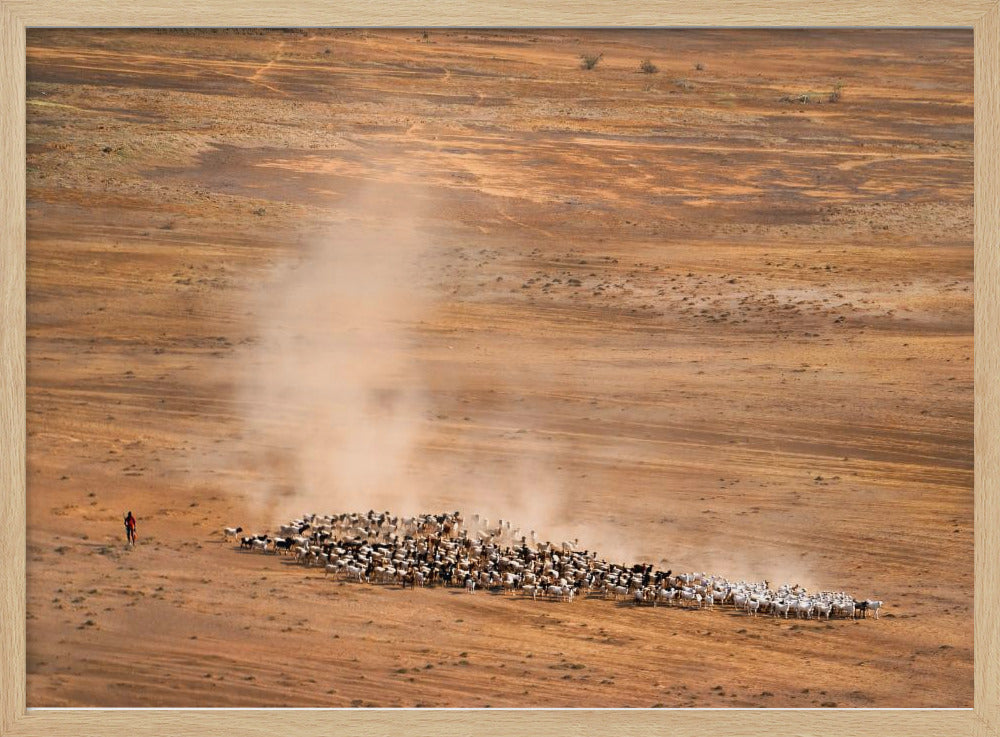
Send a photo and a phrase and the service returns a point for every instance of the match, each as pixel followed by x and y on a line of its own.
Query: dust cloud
pixel 341 395
pixel 338 395
pixel 330 393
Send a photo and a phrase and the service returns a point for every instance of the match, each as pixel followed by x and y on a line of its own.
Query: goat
pixel 426 549
pixel 667 595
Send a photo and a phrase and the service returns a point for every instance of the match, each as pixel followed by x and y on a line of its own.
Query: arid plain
pixel 716 316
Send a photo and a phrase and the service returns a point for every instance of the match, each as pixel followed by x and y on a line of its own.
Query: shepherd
pixel 130 528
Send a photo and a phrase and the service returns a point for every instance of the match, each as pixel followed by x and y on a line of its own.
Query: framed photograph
pixel 429 368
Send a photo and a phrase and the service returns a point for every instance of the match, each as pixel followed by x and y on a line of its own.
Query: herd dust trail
pixel 337 396
pixel 330 393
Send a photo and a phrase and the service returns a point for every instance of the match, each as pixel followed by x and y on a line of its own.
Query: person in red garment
pixel 130 528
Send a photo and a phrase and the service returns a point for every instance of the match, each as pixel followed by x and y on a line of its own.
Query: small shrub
pixel 647 67
pixel 836 94
pixel 683 84
pixel 699 67
pixel 588 61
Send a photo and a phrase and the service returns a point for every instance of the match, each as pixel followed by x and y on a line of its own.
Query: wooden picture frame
pixel 983 720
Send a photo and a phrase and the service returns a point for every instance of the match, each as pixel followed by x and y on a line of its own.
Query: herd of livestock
pixel 442 549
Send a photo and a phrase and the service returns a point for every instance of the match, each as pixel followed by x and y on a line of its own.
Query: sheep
pixel 230 533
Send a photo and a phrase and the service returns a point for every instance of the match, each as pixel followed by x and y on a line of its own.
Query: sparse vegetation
pixel 699 67
pixel 810 97
pixel 589 61
pixel 804 98
pixel 648 67
pixel 684 84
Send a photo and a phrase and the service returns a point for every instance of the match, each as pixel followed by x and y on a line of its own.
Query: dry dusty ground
pixel 693 322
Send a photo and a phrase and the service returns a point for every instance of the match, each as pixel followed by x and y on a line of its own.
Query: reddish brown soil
pixel 669 314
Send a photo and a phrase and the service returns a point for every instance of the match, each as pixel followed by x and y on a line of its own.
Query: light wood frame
pixel 982 15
